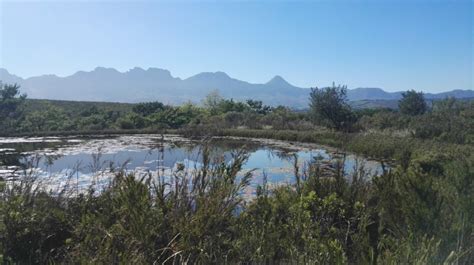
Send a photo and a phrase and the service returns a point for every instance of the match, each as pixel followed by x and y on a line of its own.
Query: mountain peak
pixel 206 76
pixel 136 69
pixel 218 74
pixel 100 69
pixel 222 74
pixel 278 81
pixel 4 71
pixel 6 77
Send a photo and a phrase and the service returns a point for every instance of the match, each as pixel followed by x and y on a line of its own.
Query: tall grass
pixel 418 214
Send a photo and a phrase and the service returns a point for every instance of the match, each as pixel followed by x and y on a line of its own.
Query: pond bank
pixel 376 145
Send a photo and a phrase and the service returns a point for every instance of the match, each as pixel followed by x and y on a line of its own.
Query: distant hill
pixel 374 103
pixel 367 93
pixel 392 103
pixel 137 85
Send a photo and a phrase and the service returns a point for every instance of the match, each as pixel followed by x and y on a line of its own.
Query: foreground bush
pixel 420 213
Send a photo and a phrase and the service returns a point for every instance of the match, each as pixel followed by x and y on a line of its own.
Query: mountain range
pixel 154 84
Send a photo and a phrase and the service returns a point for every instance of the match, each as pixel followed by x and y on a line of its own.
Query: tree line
pixel 447 120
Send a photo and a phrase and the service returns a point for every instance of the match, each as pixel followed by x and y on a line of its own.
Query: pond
pixel 90 159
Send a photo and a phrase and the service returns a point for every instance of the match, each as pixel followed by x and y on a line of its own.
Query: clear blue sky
pixel 396 45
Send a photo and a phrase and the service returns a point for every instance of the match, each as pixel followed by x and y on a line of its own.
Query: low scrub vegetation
pixel 420 213
pixel 447 120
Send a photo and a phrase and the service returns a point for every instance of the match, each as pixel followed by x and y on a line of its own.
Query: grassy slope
pixel 76 106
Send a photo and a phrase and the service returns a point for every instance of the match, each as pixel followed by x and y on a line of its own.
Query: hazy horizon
pixel 198 73
pixel 425 46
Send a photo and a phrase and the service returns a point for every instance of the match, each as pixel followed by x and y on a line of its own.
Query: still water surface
pixel 81 158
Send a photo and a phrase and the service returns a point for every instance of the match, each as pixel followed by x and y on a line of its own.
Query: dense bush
pixel 421 214
pixel 447 120
pixel 450 120
pixel 412 103
pixel 10 106
pixel 329 107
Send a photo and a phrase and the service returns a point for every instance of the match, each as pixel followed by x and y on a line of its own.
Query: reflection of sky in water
pixel 140 154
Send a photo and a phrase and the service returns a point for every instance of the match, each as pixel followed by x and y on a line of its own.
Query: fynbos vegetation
pixel 422 213
pixel 419 211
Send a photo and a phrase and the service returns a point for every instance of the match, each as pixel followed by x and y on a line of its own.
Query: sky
pixel 395 45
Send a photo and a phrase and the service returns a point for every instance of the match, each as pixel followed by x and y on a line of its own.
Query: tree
pixel 258 107
pixel 10 102
pixel 10 99
pixel 229 105
pixel 412 103
pixel 328 107
pixel 212 101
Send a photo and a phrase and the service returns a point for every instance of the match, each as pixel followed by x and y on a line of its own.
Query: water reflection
pixel 94 159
